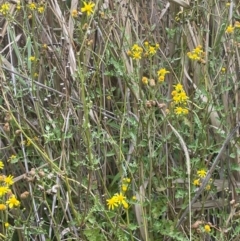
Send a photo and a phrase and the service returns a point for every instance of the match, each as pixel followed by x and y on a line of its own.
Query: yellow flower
pixel 120 198
pixel 74 13
pixel 6 225
pixel 178 87
pixel 41 9
pixel 228 4
pixel 230 29
pixel 223 70
pixel 88 8
pixel 196 182
pixel 32 58
pixel 202 173
pixel 112 203
pixel 152 50
pixel 3 190
pixel 3 207
pixel 146 43
pixel 9 180
pixel 134 198
pixel 4 9
pixel 179 110
pixel 145 80
pixel 207 228
pixel 32 6
pixel 136 55
pixel 162 71
pixel 161 78
pixel 1 165
pixel 13 202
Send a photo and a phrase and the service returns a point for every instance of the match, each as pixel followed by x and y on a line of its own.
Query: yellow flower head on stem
pixel 13 202
pixel 120 198
pixel 207 228
pixel 202 173
pixel 230 29
pixel 112 202
pixel 88 8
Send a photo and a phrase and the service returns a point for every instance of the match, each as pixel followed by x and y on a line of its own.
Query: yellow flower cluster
pixel 161 74
pixel 196 54
pixel 150 49
pixel 119 198
pixel 39 7
pixel 201 174
pixel 6 196
pixel 137 51
pixel 179 98
pixel 4 9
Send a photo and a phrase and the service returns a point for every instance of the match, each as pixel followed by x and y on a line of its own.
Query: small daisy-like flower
pixel 32 6
pixel 207 228
pixel 202 173
pixel 13 202
pixel 88 8
pixel 120 198
pixel 180 110
pixel 161 78
pixel 162 71
pixel 230 29
pixel 136 55
pixel 3 190
pixel 9 180
pixel 196 182
pixel 41 9
pixel 112 203
pixel 3 207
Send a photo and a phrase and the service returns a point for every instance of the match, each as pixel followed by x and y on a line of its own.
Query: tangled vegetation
pixel 119 120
